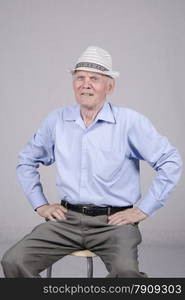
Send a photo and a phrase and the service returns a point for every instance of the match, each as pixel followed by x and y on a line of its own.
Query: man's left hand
pixel 128 216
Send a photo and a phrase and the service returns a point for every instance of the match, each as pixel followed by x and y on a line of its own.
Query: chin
pixel 86 102
pixel 87 105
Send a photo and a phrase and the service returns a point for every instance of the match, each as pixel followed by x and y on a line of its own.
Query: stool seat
pixel 83 253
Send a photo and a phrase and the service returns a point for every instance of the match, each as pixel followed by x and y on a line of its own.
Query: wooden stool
pixel 82 253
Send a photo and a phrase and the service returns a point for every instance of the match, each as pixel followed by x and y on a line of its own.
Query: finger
pixel 112 219
pixel 58 216
pixel 62 208
pixel 123 223
pixel 50 218
pixel 115 221
pixel 119 222
pixel 115 217
pixel 125 212
pixel 61 213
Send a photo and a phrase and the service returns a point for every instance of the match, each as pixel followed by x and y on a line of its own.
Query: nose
pixel 86 82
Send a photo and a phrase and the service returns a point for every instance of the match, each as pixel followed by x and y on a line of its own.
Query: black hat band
pixel 90 65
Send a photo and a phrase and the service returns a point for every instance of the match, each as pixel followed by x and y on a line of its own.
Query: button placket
pixel 83 174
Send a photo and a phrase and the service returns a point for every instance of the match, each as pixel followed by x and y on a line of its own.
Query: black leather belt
pixel 91 210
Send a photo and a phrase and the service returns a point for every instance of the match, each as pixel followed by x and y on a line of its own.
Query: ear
pixel 110 85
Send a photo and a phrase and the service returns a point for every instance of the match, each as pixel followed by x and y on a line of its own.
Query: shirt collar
pixel 106 114
pixel 72 113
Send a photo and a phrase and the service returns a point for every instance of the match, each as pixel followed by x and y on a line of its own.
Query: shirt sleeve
pixel 147 144
pixel 40 149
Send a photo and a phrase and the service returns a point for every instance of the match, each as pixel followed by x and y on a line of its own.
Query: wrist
pixel 41 208
pixel 139 212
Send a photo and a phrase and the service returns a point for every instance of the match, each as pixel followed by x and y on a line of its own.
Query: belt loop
pixel 108 210
pixel 65 204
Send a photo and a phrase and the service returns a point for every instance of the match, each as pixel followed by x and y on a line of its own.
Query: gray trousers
pixel 50 241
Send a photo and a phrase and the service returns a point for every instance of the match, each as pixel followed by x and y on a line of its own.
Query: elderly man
pixel 97 148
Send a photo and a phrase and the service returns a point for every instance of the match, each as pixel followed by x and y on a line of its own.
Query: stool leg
pixel 89 267
pixel 49 272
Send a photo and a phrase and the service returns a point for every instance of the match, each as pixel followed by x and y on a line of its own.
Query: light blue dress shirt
pixel 99 165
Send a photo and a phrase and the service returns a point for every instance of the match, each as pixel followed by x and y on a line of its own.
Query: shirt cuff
pixel 149 205
pixel 37 199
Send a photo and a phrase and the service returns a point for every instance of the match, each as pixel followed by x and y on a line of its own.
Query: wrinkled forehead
pixel 89 74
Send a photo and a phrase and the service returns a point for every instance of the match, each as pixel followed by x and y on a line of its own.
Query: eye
pixel 94 78
pixel 80 78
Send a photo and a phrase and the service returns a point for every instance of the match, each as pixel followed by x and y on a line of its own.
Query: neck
pixel 89 114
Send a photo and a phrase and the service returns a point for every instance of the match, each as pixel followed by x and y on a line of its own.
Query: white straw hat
pixel 95 59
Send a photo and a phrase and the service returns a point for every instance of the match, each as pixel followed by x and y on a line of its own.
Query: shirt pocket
pixel 108 165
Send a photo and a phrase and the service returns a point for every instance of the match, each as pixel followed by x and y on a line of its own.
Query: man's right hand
pixel 52 212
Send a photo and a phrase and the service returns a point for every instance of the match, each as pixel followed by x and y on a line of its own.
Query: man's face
pixel 91 88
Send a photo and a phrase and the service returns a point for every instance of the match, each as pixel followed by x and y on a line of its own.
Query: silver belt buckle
pixel 83 209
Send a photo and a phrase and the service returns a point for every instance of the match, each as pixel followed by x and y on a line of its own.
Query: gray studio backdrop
pixel 40 40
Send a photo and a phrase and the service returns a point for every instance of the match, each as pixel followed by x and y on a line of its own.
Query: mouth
pixel 87 94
